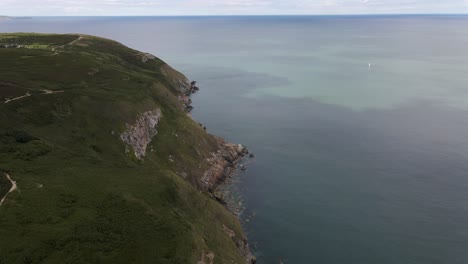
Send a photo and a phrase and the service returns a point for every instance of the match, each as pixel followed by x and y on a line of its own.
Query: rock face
pixel 146 57
pixel 244 250
pixel 139 135
pixel 185 98
pixel 186 102
pixel 222 164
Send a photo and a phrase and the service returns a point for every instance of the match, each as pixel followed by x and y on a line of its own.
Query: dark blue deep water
pixel 354 163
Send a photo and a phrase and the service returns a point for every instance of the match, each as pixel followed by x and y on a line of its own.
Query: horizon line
pixel 247 15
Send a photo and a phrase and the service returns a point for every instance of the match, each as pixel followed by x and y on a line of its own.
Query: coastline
pixel 224 163
pixel 172 188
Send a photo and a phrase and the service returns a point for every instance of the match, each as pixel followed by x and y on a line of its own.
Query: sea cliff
pixel 222 162
pixel 108 165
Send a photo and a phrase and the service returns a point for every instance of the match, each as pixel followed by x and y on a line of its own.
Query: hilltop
pixel 108 166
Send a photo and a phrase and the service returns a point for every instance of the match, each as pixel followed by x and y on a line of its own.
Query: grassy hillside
pixel 82 198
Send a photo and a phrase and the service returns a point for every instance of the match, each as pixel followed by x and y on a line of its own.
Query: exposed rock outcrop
pixel 207 258
pixel 222 163
pixel 147 56
pixel 139 135
pixel 185 98
pixel 193 87
pixel 244 250
pixel 186 102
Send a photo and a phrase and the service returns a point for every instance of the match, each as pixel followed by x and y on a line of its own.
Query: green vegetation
pixel 81 198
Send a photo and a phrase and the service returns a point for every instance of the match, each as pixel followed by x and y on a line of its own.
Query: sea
pixel 359 125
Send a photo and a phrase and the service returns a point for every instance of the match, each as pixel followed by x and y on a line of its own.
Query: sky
pixel 226 7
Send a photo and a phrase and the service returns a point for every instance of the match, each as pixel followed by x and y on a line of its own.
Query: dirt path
pixel 78 39
pixel 17 98
pixel 12 189
pixel 63 46
pixel 44 91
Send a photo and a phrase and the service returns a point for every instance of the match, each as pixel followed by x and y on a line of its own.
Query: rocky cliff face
pixel 139 135
pixel 146 57
pixel 222 163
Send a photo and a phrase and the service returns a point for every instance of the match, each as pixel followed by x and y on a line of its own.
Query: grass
pixel 81 198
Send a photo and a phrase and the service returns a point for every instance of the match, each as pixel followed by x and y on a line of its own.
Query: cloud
pixel 220 7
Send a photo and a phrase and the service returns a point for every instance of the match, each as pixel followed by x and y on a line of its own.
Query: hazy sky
pixel 226 7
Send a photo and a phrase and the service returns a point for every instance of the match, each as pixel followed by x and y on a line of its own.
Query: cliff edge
pixel 107 165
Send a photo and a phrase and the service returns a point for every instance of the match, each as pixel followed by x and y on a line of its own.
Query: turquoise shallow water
pixel 353 164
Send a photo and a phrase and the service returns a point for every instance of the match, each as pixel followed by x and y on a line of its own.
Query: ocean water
pixel 354 163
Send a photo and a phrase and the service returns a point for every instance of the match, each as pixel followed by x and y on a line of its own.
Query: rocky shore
pixel 185 97
pixel 222 164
